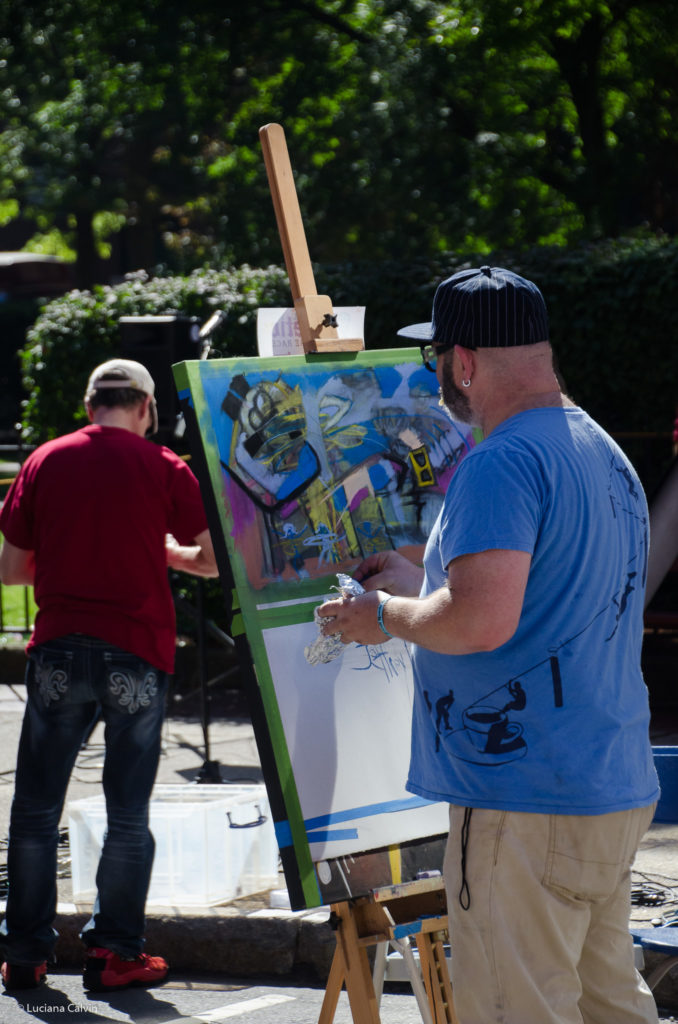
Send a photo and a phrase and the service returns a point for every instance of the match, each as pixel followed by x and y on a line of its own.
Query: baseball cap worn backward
pixel 128 374
pixel 487 307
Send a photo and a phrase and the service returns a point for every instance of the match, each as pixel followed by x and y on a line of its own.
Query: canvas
pixel 308 464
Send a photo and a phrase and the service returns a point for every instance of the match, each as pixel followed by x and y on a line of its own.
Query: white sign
pixel 278 331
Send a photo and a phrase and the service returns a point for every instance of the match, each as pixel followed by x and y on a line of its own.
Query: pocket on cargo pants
pixel 588 855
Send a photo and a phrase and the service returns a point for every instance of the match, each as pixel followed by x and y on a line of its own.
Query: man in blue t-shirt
pixel 531 715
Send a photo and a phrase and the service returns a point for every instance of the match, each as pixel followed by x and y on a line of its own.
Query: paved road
pixel 194 1001
pixel 191 1001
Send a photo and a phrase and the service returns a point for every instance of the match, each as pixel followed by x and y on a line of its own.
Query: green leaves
pixel 414 126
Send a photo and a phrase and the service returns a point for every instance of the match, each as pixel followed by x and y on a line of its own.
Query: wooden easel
pixel 389 916
pixel 317 319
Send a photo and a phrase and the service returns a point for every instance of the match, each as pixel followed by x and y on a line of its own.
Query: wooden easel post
pixel 317 320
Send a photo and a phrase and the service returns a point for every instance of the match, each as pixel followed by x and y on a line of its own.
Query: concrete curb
pixel 221 939
pixel 236 943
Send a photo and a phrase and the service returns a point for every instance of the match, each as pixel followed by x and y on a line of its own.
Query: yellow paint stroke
pixel 396 864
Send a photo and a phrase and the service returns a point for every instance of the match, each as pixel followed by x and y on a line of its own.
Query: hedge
pixel 81 329
pixel 613 310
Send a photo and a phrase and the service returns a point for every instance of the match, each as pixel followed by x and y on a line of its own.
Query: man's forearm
pixel 192 559
pixel 198 564
pixel 441 624
pixel 17 566
pixel 435 622
pixel 478 610
pixel 197 559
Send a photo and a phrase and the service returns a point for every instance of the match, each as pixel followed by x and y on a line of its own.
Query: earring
pixel 466 383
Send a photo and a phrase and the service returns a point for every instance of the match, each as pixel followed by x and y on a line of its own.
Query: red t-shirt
pixel 95 506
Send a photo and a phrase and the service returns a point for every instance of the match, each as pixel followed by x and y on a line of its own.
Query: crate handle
pixel 247 824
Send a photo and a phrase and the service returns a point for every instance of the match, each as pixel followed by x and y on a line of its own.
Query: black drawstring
pixel 464 892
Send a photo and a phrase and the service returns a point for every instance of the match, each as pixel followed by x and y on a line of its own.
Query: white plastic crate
pixel 212 844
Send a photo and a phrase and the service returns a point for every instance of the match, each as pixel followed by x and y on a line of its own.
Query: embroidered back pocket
pixel 51 672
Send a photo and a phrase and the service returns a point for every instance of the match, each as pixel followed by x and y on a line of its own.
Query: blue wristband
pixel 380 616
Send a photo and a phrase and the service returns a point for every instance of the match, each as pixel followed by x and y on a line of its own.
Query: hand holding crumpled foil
pixel 328 647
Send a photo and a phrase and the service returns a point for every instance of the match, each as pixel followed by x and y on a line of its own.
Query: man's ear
pixel 467 360
pixel 147 411
pixel 90 411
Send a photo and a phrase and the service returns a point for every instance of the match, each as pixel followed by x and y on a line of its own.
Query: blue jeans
pixel 71 681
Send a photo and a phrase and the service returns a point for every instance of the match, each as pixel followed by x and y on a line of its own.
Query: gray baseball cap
pixel 124 373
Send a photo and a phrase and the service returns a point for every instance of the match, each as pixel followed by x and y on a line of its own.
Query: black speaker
pixel 157 342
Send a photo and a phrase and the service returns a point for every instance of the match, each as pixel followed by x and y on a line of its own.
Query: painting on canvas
pixel 309 464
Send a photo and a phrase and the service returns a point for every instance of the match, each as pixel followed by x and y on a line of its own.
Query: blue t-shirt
pixel 556 720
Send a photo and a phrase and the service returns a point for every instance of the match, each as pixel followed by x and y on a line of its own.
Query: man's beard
pixel 453 399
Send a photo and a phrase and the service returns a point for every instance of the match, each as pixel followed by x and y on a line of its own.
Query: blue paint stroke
pixel 367 811
pixel 313 826
pixel 323 836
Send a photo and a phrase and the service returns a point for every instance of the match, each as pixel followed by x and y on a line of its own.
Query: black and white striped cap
pixel 484 308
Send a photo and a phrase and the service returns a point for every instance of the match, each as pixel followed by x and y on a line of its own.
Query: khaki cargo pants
pixel 545 938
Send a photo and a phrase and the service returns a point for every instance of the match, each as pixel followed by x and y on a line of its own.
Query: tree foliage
pixel 104 111
pixel 415 127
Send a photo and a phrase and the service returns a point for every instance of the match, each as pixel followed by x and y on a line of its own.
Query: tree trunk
pixel 87 268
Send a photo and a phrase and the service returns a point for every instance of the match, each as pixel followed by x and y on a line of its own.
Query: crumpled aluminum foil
pixel 327 648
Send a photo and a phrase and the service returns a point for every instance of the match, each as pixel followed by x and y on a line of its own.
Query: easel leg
pixel 436 977
pixel 335 983
pixel 379 969
pixel 351 967
pixel 420 994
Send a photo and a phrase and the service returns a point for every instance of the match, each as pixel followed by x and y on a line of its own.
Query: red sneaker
pixel 23 975
pixel 105 970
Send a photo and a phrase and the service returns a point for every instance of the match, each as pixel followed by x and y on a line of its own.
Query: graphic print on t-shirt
pixel 488 734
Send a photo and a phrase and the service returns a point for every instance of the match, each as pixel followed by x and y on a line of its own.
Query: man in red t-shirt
pixel 93 521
